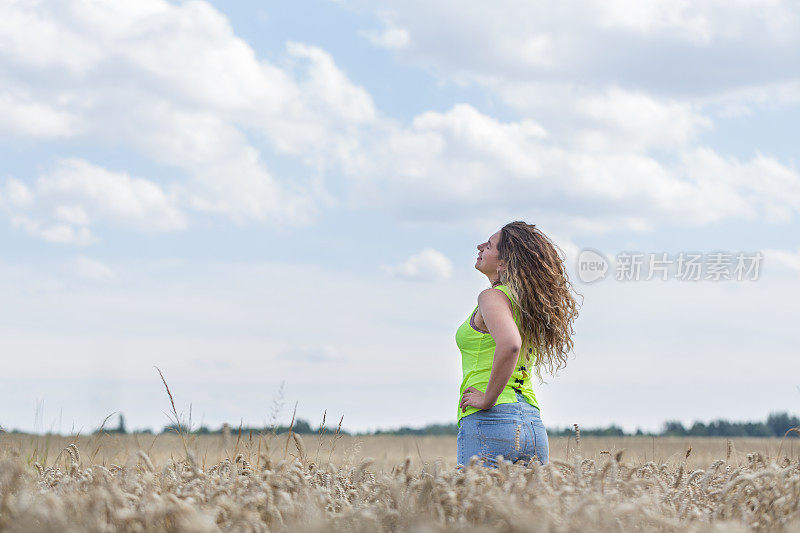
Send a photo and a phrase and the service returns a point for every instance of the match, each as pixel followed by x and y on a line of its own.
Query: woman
pixel 522 324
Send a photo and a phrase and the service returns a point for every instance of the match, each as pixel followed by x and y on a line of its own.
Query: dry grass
pixel 255 483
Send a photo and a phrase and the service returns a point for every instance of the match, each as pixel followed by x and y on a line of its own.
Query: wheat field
pixel 386 483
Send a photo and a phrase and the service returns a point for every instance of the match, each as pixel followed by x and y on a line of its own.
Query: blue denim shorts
pixel 513 430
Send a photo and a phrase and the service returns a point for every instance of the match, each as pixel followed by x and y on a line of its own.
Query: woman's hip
pixel 513 430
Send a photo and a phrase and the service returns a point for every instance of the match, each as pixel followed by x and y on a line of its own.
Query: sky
pixel 247 194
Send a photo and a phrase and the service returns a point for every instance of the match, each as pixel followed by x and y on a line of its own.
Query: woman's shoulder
pixel 505 290
pixel 502 288
pixel 492 293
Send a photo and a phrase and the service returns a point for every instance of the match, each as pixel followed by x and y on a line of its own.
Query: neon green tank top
pixel 477 355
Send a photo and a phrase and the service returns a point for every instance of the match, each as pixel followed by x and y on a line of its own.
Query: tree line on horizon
pixel 776 425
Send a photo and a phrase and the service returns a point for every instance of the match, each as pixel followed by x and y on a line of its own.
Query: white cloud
pixel 71 214
pixel 761 187
pixel 744 101
pixel 465 166
pixel 449 160
pixel 54 231
pixel 61 205
pixel 17 194
pixel 648 45
pixel 390 37
pixel 601 142
pixel 20 116
pixel 606 84
pixel 625 120
pixel 700 23
pixel 93 269
pixel 115 196
pixel 184 92
pixel 427 265
pixel 313 354
pixel 783 258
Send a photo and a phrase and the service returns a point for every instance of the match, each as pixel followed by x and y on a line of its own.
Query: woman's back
pixel 477 358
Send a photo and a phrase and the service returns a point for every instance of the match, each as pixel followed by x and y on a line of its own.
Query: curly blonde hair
pixel 537 280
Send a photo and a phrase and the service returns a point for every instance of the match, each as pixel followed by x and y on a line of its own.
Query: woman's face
pixel 488 261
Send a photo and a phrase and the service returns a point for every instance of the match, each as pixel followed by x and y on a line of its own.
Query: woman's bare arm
pixel 498 315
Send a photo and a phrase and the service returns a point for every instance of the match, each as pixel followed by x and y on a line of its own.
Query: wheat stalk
pixel 174 412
